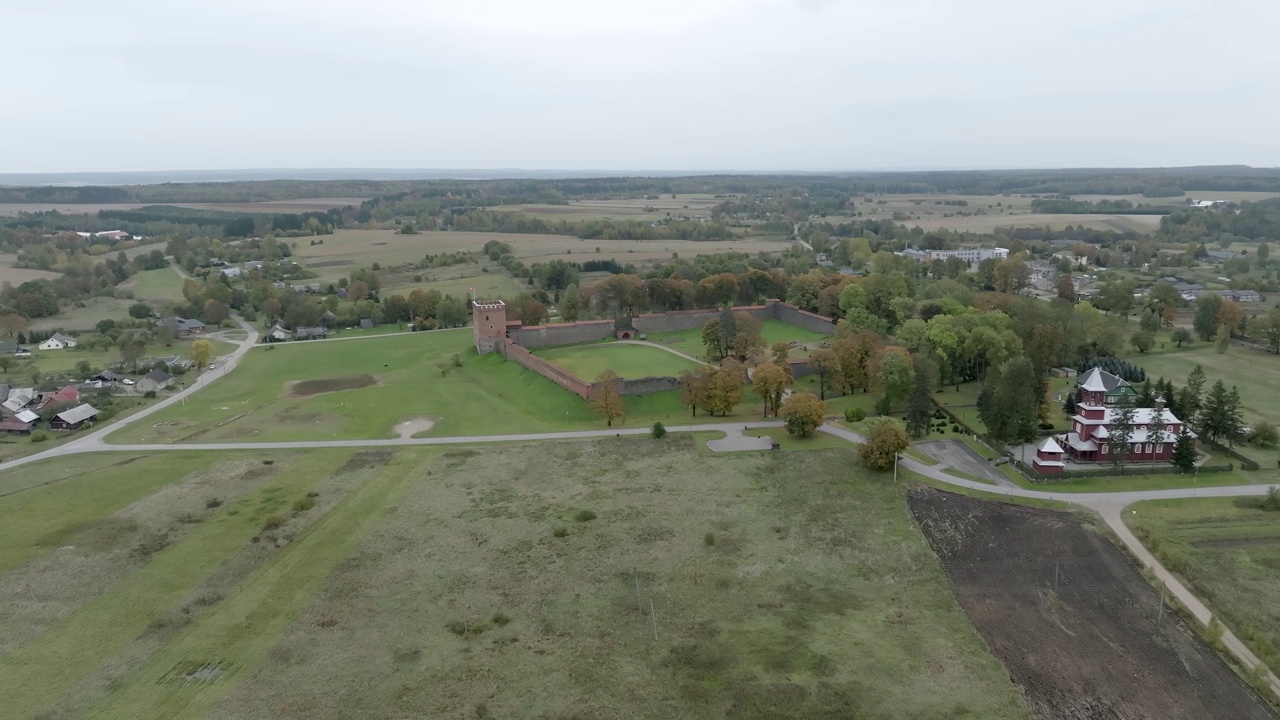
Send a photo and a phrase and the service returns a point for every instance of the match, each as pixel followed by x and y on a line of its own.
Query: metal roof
pixel 77 414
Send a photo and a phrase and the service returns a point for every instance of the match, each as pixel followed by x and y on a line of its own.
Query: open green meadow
pixel 689 341
pixel 628 361
pixel 529 580
pixel 162 284
pixel 363 388
pixel 1229 551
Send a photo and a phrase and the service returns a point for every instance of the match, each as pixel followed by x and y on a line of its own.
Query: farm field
pixel 1023 573
pixel 990 223
pixel 498 571
pixel 1228 550
pixel 360 248
pixel 363 388
pixel 619 209
pixel 300 205
pixel 689 341
pixel 493 284
pixel 628 361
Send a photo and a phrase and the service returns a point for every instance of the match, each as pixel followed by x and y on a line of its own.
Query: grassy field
pixel 378 382
pixel 628 361
pixel 1229 550
pixel 689 341
pixel 170 580
pixel 1253 373
pixel 619 208
pixel 495 284
pixel 163 284
pixel 545 582
pixel 346 250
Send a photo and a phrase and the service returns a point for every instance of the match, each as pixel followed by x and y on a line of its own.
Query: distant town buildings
pixel 969 255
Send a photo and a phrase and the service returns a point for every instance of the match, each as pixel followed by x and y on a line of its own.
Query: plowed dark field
pixel 1075 624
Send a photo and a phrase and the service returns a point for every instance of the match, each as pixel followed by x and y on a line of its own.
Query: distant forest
pixel 1151 182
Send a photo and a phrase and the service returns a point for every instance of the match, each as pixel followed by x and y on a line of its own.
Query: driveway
pixel 957 455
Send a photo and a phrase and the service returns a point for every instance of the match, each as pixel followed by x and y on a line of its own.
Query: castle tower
pixel 489 323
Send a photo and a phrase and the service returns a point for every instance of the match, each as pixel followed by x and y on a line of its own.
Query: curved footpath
pixel 1109 506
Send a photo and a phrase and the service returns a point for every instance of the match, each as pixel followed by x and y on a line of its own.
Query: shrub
pixel 560 532
pixel 584 516
pixel 500 619
pixel 303 504
pixel 1271 503
pixel 39 436
pixel 272 522
pixel 709 539
pixel 457 360
pixel 855 415
pixel 658 431
pixel 313 494
pixel 212 503
pixel 149 394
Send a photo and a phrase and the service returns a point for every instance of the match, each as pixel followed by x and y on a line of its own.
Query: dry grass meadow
pixel 586 579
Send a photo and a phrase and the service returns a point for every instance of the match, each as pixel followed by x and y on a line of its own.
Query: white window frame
pixel 1104 449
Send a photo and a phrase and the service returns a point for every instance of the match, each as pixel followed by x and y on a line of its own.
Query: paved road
pixel 1109 506
pixel 955 454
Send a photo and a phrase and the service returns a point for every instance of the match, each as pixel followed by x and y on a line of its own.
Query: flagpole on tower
pixel 473 296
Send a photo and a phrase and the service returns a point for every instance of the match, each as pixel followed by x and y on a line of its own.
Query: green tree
pixel 1264 434
pixel 1206 318
pixel 826 366
pixel 1009 404
pixel 1181 336
pixel 1222 340
pixel 1121 429
pixel 1184 451
pixel 1143 340
pixel 920 402
pixel 1190 397
pixel 570 304
pixel 1267 327
pixel 894 374
pixel 140 310
pixel 803 413
pixel 724 390
pixel 714 340
pixel 452 312
pixel 1149 321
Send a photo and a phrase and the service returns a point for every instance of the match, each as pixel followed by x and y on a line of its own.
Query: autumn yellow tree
pixel 770 381
pixel 803 413
pixel 725 388
pixel 606 396
pixel 885 439
pixel 694 388
pixel 201 353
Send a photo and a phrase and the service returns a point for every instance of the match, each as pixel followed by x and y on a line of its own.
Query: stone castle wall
pixel 520 339
pixel 557 375
pixel 562 333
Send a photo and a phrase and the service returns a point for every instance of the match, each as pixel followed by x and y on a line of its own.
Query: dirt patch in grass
pixel 307 388
pixel 413 426
pixel 1071 617
pixel 366 459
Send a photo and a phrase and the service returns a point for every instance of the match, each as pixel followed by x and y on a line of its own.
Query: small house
pixel 19 399
pixel 58 341
pixel 310 333
pixel 108 377
pixel 22 423
pixel 155 381
pixel 231 272
pixel 73 419
pixel 1048 459
pixel 66 395
pixel 278 333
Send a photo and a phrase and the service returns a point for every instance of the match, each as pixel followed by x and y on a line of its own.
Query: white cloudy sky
pixel 621 84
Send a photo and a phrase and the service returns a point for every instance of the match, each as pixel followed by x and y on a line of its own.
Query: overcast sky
pixel 626 85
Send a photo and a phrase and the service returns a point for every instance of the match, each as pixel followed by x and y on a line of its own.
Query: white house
pixel 58 341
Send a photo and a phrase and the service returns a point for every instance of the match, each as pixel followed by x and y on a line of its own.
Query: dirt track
pixel 1091 648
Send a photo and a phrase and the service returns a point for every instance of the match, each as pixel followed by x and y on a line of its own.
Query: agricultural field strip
pixel 39 672
pixel 247 625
